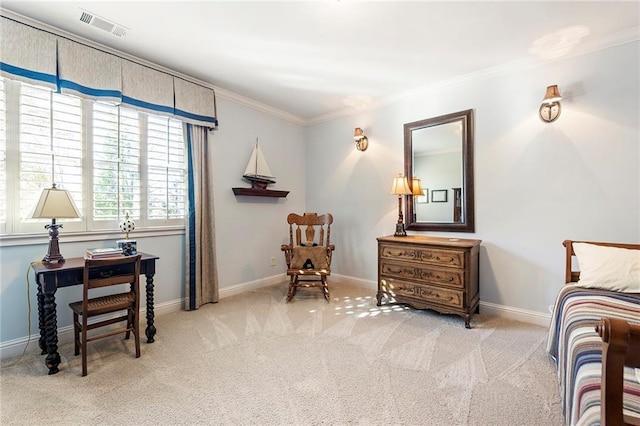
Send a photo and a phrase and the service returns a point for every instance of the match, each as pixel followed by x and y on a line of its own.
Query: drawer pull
pixel 431 256
pixel 421 292
pixel 431 275
pixel 434 295
pixel 106 274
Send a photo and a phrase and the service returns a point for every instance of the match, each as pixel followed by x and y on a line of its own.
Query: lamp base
pixel 53 258
pixel 400 232
pixel 53 254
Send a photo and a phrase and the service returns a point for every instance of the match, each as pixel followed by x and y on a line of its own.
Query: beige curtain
pixel 201 284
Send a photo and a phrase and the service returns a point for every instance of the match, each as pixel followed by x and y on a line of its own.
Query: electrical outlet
pixel 273 261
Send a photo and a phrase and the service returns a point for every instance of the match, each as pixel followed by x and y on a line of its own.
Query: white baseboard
pixel 15 347
pixel 531 317
pixel 252 285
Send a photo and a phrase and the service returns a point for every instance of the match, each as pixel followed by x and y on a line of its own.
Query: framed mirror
pixel 439 151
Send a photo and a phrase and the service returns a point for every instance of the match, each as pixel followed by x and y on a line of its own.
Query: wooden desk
pixel 49 277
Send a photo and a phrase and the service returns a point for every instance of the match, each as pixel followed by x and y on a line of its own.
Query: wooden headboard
pixel 573 276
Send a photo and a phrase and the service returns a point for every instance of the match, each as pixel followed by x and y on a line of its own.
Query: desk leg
pixel 151 329
pixel 51 325
pixel 41 323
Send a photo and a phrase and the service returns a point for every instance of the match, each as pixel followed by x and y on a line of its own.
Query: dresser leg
pixel 379 298
pixel 467 321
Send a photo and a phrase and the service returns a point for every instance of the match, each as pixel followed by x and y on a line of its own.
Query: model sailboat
pixel 259 174
pixel 257 171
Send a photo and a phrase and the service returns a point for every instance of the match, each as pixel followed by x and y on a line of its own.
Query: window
pixel 114 161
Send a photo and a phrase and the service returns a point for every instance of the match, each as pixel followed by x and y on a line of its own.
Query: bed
pixel 574 344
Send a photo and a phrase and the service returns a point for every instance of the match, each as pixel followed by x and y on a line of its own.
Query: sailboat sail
pixel 257 168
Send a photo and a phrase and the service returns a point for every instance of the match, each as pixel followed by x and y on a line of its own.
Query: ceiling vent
pixel 101 23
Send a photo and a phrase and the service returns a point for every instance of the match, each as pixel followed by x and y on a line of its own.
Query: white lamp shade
pixel 55 203
pixel 400 186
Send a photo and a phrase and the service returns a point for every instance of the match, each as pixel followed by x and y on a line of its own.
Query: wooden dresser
pixel 430 272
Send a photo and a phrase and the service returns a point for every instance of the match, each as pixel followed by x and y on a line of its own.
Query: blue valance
pixel 39 57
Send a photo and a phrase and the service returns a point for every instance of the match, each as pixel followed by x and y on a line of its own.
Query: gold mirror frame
pixel 467 219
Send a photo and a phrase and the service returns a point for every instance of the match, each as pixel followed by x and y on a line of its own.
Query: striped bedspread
pixel 576 349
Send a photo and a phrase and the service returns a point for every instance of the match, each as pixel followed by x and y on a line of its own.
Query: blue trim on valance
pixel 202 118
pixel 32 75
pixel 147 105
pixel 95 93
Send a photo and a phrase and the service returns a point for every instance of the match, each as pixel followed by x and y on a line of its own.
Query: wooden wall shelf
pixel 259 192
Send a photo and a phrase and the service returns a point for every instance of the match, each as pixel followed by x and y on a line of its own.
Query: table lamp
pixel 54 204
pixel 400 187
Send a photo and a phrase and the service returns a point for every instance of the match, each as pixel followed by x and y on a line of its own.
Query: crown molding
pixel 259 106
pixel 612 40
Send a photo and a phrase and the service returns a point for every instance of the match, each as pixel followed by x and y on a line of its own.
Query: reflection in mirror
pixel 439 151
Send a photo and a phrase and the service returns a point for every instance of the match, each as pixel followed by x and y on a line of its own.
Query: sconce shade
pixel 358 134
pixel 416 186
pixel 55 203
pixel 552 95
pixel 400 186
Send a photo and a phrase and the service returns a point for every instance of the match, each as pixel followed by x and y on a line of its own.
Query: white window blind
pixel 116 163
pixel 113 160
pixel 50 147
pixel 166 166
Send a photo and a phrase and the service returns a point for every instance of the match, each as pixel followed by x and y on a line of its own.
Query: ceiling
pixel 314 60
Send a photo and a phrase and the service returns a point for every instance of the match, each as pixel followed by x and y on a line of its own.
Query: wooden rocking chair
pixel 308 255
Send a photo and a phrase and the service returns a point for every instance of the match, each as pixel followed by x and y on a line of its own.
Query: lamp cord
pixel 28 320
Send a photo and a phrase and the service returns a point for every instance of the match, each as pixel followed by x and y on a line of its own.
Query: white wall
pixel 536 184
pixel 250 230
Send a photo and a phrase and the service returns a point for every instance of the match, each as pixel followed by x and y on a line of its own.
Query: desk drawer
pixel 441 257
pixel 428 274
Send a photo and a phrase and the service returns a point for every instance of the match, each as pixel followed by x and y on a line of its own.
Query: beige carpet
pixel 253 359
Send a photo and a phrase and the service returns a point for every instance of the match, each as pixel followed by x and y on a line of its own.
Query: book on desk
pixel 103 253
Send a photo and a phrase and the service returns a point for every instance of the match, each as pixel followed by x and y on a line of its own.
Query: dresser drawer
pixel 441 257
pixel 423 292
pixel 428 274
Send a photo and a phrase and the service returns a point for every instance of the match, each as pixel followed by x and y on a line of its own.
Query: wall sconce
pixel 550 108
pixel 362 143
pixel 400 187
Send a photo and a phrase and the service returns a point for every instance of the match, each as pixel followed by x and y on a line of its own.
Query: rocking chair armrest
pixel 288 252
pixel 331 246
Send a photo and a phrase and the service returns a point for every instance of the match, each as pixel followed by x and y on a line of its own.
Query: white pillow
pixel 609 268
